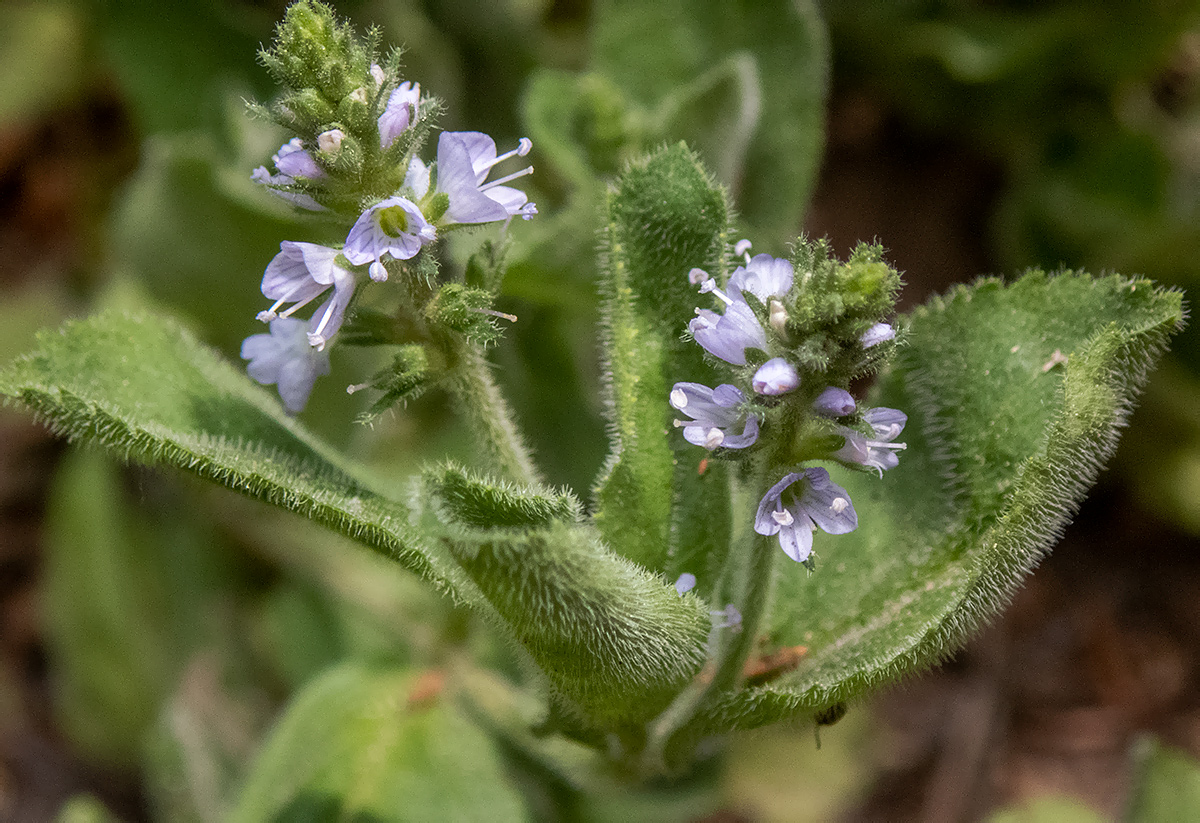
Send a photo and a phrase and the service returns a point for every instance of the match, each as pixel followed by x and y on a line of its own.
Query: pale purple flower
pixel 293 163
pixel 879 333
pixel 394 226
pixel 728 336
pixel 726 618
pixel 800 502
pixel 400 112
pixel 285 358
pixel 299 274
pixel 417 177
pixel 685 583
pixel 878 453
pixel 776 376
pixel 464 160
pixel 764 277
pixel 834 402
pixel 716 414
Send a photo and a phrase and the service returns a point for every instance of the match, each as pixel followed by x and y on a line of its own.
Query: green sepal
pixel 485 267
pixel 464 310
pixel 654 504
pixel 475 502
pixel 1003 442
pixel 407 378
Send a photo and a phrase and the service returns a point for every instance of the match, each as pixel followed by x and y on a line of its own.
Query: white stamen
pixel 355 387
pixel 524 146
pixel 742 247
pixel 783 518
pixel 714 438
pixel 317 341
pixel 503 180
pixel 681 423
pixel 697 276
pixel 678 398
pixel 266 316
pixel 710 286
pixel 839 505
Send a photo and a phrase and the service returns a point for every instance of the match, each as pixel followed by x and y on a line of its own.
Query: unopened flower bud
pixel 330 141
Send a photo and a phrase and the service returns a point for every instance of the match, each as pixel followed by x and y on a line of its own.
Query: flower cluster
pixel 792 345
pixel 390 226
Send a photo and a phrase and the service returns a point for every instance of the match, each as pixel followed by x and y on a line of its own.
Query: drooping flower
pixel 397 114
pixel 878 453
pixel 776 376
pixel 464 160
pixel 284 358
pixel 715 416
pixel 393 226
pixel 293 163
pixel 299 274
pixel 764 277
pixel 834 402
pixel 879 333
pixel 800 502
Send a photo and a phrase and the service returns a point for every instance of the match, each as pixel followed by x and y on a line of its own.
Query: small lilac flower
pixel 879 453
pixel 397 115
pixel 792 511
pixel 464 160
pixel 293 162
pixel 834 402
pixel 285 358
pixel 764 277
pixel 417 177
pixel 299 274
pixel 879 333
pixel 394 226
pixel 728 336
pixel 727 618
pixel 685 583
pixel 714 412
pixel 776 376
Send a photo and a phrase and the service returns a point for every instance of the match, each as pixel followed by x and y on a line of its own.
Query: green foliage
pixel 570 601
pixel 378 746
pixel 1015 395
pixel 1166 786
pixel 144 388
pixel 128 596
pixel 665 217
pixel 777 76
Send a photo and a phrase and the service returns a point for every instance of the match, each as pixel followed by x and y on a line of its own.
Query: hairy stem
pixel 480 402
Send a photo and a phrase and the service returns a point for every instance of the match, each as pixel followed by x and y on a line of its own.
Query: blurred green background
pixel 151 627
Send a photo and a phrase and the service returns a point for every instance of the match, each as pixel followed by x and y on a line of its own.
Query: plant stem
pixel 745 583
pixel 487 413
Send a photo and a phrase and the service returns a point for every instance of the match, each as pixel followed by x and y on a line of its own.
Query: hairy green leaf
pixel 613 640
pixel 1015 395
pixel 376 746
pixel 657 503
pixel 143 387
